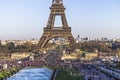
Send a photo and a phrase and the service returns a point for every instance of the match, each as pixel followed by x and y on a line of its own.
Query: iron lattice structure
pixel 50 31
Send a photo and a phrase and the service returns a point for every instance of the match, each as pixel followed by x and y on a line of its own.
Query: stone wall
pixel 20 55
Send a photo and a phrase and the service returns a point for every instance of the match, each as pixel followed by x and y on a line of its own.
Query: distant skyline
pixel 25 19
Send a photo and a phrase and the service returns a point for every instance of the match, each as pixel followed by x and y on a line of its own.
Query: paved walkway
pixel 93 74
pixel 111 72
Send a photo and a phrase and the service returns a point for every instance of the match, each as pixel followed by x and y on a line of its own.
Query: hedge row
pixel 7 73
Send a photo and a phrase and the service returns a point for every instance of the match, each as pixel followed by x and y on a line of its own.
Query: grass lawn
pixel 66 75
pixel 7 73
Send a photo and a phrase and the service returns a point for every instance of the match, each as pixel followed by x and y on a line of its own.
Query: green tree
pixel 10 47
pixel 91 46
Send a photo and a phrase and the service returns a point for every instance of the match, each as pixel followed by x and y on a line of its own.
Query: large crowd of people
pixel 22 63
pixel 52 59
pixel 49 59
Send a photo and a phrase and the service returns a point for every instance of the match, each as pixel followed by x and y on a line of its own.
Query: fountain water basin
pixel 32 74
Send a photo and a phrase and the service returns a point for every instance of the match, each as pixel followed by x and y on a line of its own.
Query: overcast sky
pixel 25 19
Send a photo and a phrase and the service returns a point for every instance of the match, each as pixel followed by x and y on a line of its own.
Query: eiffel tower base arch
pixel 52 33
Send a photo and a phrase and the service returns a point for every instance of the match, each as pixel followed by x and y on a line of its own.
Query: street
pixel 91 73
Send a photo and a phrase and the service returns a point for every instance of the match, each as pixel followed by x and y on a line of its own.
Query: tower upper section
pixel 57 5
pixel 57 2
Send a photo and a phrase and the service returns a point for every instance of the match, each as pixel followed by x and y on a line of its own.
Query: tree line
pixel 101 46
pixel 89 46
pixel 11 47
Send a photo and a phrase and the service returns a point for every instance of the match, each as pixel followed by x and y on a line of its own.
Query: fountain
pixel 32 74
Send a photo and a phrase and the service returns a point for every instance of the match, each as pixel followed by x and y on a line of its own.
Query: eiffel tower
pixel 50 31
